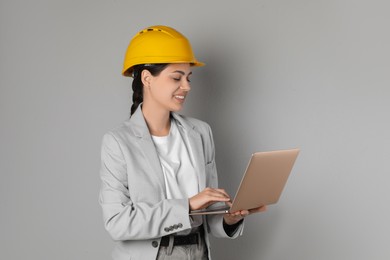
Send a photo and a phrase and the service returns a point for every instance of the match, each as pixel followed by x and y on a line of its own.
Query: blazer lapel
pixel 194 141
pixel 146 144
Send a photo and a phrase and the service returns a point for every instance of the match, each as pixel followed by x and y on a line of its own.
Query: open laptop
pixel 262 183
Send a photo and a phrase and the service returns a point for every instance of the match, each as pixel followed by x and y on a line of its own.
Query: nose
pixel 185 85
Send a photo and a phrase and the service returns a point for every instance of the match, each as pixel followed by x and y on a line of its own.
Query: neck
pixel 158 121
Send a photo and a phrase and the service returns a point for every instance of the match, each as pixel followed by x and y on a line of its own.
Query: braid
pixel 137 86
pixel 138 96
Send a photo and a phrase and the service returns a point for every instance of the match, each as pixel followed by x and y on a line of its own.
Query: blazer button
pixel 180 225
pixel 175 226
pixel 167 229
pixel 155 244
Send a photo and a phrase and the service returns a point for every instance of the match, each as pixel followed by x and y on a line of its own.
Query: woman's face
pixel 169 89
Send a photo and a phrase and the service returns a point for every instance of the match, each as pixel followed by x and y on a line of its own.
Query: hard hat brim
pixel 129 72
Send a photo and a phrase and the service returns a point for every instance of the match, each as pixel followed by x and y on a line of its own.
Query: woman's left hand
pixel 233 218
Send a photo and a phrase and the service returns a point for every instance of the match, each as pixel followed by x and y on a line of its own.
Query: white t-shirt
pixel 181 180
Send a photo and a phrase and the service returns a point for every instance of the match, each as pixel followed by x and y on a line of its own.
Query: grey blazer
pixel 136 211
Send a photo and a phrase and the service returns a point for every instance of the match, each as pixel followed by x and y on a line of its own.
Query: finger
pixel 237 214
pixel 240 214
pixel 218 195
pixel 222 191
pixel 217 192
pixel 209 199
pixel 234 214
pixel 244 213
pixel 259 209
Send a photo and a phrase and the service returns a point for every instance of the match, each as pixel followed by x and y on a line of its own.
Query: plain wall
pixel 279 74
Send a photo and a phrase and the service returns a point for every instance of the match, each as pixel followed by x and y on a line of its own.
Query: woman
pixel 158 165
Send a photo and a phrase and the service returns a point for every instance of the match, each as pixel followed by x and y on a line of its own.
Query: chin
pixel 176 108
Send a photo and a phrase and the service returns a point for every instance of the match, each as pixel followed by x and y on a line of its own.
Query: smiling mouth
pixel 180 97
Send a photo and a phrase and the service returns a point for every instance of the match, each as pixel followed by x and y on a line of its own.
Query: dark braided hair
pixel 138 95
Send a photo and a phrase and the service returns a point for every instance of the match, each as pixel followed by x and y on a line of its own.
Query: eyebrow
pixel 181 72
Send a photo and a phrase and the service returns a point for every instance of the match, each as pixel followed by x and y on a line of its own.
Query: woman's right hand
pixel 207 197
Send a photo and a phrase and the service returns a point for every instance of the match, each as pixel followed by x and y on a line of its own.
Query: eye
pixel 176 79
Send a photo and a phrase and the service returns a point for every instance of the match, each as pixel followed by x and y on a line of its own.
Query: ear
pixel 146 78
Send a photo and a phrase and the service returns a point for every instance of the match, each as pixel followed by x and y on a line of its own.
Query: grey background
pixel 279 74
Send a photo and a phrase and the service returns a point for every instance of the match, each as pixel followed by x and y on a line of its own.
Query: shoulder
pixel 118 133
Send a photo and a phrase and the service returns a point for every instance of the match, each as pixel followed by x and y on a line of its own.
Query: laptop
pixel 262 183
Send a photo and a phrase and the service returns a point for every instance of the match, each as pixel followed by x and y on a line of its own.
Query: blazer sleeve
pixel 215 222
pixel 125 219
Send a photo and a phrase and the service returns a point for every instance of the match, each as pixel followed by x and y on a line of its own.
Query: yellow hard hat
pixel 158 44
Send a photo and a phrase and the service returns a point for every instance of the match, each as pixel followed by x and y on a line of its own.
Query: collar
pixel 141 130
